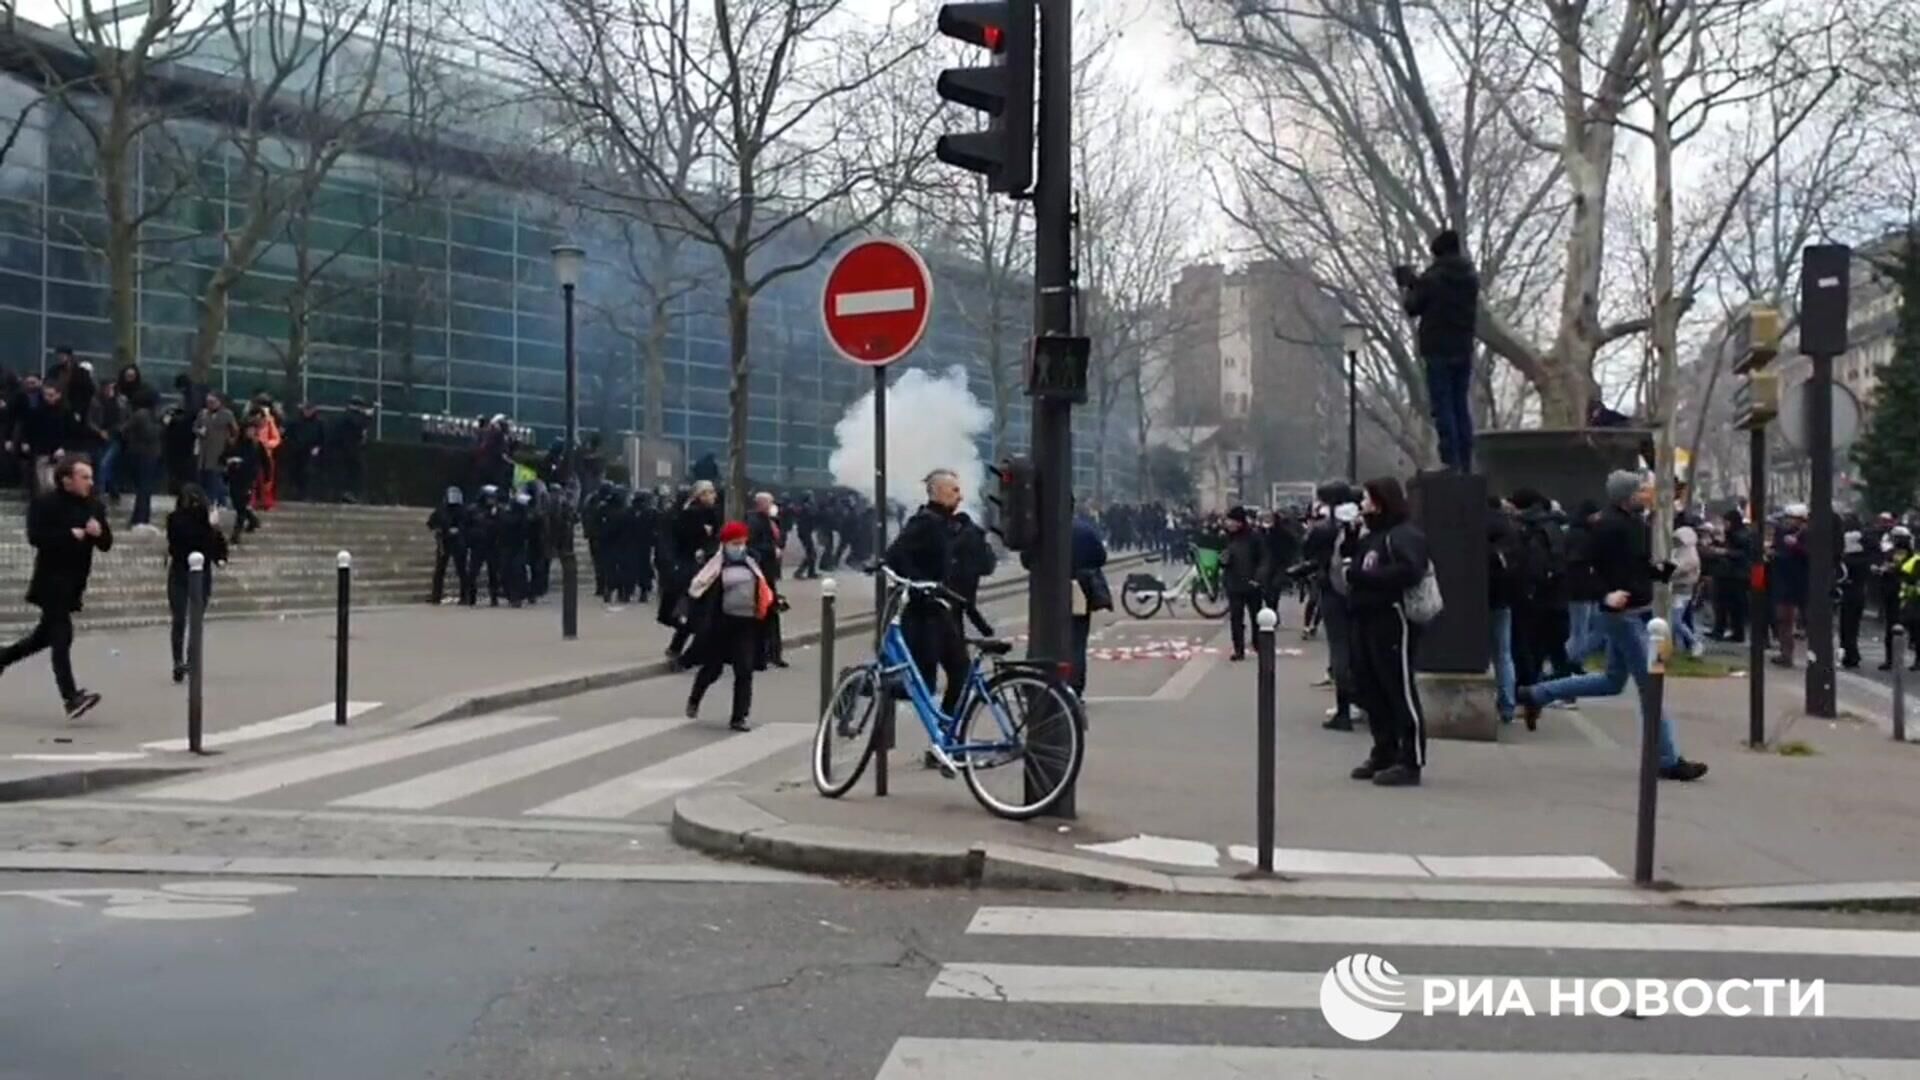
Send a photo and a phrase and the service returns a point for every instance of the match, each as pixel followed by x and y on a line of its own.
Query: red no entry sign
pixel 877 301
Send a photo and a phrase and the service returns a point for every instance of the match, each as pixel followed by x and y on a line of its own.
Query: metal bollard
pixel 344 561
pixel 1659 643
pixel 196 645
pixel 1897 648
pixel 829 596
pixel 1266 621
pixel 569 591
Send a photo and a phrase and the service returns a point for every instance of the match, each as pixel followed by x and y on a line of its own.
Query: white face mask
pixel 735 552
pixel 1346 513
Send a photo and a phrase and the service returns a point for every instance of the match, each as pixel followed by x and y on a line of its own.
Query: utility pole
pixel 1057 355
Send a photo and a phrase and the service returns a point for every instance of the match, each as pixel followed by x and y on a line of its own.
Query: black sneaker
pixel 1366 770
pixel 1530 711
pixel 1683 771
pixel 179 674
pixel 693 710
pixel 1339 723
pixel 1885 666
pixel 81 703
pixel 1397 776
pixel 739 725
pixel 1237 657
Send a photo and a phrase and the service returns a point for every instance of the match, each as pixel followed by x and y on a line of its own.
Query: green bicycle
pixel 1143 595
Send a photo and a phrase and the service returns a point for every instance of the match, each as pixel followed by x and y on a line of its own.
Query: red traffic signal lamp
pixel 1003 153
pixel 1018 503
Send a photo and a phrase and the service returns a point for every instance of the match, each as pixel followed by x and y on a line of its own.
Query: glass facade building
pixel 437 296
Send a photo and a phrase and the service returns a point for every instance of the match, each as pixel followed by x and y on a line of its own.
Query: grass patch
pixel 1796 748
pixel 1683 666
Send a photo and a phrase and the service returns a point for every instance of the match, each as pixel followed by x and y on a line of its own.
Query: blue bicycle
pixel 1016 734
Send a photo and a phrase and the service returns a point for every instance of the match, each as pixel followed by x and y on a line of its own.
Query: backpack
pixel 1543 559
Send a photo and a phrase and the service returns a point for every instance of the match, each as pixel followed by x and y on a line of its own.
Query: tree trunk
pixel 1665 312
pixel 653 424
pixel 123 240
pixel 739 307
pixel 213 323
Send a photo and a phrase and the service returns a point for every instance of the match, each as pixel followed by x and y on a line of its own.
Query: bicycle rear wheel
pixel 1141 603
pixel 1209 603
pixel 843 743
pixel 1036 722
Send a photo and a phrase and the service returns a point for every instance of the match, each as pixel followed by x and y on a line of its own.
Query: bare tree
pixel 313 77
pixel 140 168
pixel 1137 223
pixel 786 164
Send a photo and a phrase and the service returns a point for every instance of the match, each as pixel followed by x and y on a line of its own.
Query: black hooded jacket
pixel 1446 300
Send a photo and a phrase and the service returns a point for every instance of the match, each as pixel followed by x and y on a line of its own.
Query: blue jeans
pixel 1626 638
pixel 214 483
pixel 1502 624
pixel 1683 633
pixel 109 466
pixel 1448 381
pixel 1582 639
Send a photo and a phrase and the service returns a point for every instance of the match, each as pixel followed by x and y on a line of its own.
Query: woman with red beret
pixel 725 605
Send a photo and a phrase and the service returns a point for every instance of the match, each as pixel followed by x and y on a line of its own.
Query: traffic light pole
pixel 1822 552
pixel 1049 600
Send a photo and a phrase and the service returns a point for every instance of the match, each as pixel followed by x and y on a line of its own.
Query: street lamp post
pixel 568 260
pixel 1353 337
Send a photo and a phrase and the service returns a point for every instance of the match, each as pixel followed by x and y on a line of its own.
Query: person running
pixel 1619 550
pixel 190 528
pixel 727 601
pixel 65 526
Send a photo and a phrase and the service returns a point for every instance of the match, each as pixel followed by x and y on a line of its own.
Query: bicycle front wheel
pixel 1209 602
pixel 843 743
pixel 1029 737
pixel 1141 603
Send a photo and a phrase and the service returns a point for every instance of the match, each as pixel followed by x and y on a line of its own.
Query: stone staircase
pixel 287 567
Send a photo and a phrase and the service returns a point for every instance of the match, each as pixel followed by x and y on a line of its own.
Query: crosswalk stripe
pixel 266 729
pixel 245 783
pixel 624 795
pixel 472 777
pixel 1015 984
pixel 1441 933
pixel 969 1059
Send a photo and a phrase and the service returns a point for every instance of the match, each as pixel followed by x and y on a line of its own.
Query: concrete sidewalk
pixel 269 682
pixel 1167 796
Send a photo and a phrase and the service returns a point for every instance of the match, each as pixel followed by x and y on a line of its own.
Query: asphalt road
pixel 398 980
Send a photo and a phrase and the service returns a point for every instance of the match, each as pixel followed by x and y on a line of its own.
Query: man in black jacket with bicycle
pixel 924 552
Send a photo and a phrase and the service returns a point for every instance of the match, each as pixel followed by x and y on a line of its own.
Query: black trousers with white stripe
pixel 1380 649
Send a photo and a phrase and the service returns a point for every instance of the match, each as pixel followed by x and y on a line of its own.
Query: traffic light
pixel 1003 90
pixel 1018 504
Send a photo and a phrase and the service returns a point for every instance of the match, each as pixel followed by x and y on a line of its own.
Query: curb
pixel 458 706
pixel 727 825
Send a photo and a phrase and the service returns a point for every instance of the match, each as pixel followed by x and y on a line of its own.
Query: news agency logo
pixel 1363 997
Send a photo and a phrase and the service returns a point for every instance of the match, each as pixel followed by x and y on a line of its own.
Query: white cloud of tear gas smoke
pixel 933 422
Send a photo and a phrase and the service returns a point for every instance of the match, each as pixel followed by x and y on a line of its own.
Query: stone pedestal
pixel 1458 706
pixel 1566 464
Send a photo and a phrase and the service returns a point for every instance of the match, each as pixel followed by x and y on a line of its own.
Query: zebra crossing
pixel 1232 994
pixel 526 766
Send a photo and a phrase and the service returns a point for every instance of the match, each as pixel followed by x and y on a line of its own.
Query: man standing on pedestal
pixel 1445 298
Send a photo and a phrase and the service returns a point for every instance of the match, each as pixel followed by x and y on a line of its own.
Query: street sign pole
pixel 875 307
pixel 1049 599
